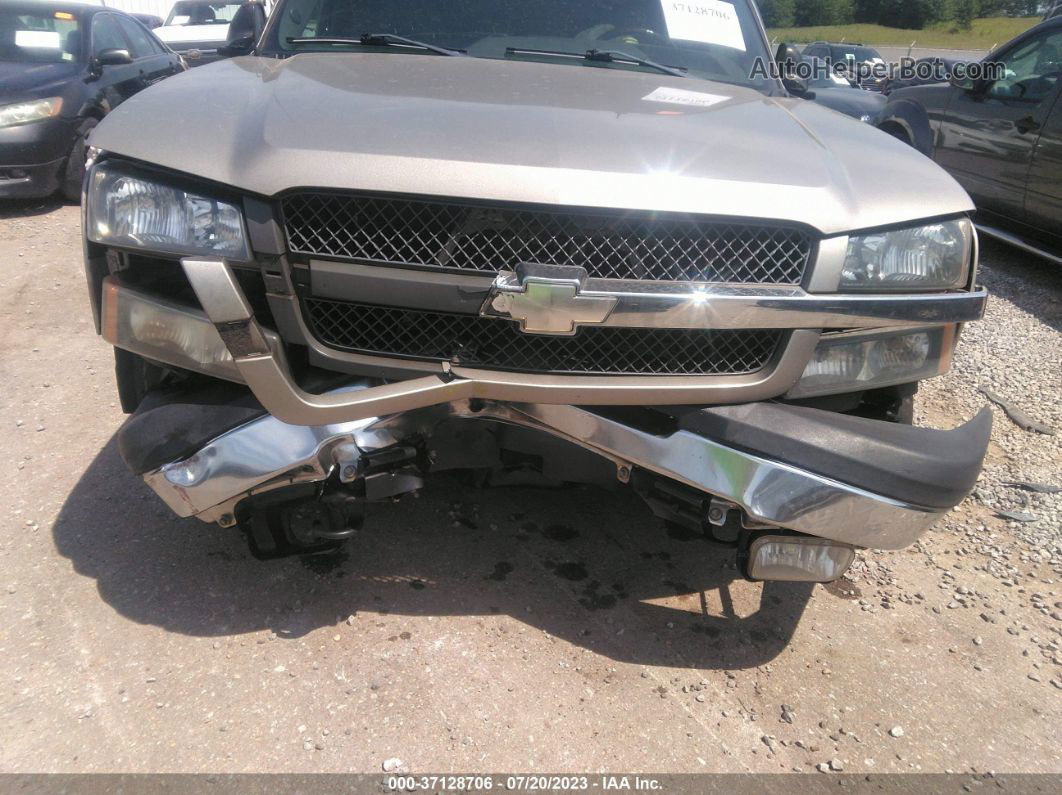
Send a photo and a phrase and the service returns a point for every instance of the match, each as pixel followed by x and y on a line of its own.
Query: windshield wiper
pixel 604 56
pixel 375 40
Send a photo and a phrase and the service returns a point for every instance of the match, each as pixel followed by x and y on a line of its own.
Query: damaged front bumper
pixel 266 454
pixel 851 481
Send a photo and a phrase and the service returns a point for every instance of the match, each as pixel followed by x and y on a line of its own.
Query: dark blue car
pixel 63 67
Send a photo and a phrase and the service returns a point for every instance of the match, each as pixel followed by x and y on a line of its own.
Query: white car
pixel 196 28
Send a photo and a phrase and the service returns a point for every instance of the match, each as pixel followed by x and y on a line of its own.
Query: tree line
pixel 915 14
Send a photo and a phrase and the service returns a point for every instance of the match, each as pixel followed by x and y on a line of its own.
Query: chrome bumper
pixel 267 454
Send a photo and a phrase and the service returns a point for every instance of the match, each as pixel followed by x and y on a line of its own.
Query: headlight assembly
pixel 931 257
pixel 134 212
pixel 26 112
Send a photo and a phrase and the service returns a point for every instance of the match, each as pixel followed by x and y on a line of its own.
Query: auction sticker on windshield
pixel 707 21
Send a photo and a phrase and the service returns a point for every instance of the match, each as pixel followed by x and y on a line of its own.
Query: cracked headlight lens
pixel 133 212
pixel 932 257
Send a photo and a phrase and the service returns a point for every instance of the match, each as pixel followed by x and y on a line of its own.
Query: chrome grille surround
pixel 487 239
pixel 489 343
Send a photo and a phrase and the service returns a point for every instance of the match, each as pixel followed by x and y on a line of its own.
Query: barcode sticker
pixel 680 96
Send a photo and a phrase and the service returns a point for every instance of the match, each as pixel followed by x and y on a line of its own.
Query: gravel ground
pixel 513 630
pixel 1016 354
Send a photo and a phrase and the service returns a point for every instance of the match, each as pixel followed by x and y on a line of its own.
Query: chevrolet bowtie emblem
pixel 547 299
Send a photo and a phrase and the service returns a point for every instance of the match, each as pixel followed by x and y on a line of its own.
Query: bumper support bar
pixel 267 376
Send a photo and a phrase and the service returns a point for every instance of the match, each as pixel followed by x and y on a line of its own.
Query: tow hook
pixel 298 520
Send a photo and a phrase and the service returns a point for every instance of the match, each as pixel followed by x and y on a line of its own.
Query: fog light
pixel 798 559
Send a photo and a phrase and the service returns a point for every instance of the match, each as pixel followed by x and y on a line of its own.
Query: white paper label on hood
pixel 680 96
pixel 708 21
pixel 46 39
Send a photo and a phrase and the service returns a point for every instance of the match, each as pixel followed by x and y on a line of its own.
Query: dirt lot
pixel 505 630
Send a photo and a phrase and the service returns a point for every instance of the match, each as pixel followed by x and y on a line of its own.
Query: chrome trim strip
pixel 218 285
pixel 267 454
pixel 635 305
pixel 825 272
pixel 1017 242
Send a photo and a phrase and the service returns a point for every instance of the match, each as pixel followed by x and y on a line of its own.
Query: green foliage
pixel 906 14
pixel 966 11
pixel 824 12
pixel 778 13
pixel 983 34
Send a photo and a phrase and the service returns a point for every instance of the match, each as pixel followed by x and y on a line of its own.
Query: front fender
pixel 910 118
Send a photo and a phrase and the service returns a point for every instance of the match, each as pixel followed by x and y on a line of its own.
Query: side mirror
pixel 234 49
pixel 113 57
pixel 960 80
pixel 787 56
pixel 798 87
pixel 244 30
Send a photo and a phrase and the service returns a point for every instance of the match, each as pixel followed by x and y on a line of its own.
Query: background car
pixel 926 71
pixel 196 29
pixel 842 95
pixel 1001 139
pixel 63 67
pixel 148 20
pixel 830 89
pixel 852 55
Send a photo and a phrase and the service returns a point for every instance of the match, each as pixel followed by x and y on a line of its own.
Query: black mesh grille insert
pixel 499 344
pixel 488 239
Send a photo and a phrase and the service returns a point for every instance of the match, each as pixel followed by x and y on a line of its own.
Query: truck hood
pixel 582 135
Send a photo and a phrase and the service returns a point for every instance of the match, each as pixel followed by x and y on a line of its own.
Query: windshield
pixel 35 34
pixel 858 54
pixel 709 39
pixel 188 12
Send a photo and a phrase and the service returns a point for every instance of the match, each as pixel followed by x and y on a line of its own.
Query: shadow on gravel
pixel 27 208
pixel 1008 273
pixel 581 564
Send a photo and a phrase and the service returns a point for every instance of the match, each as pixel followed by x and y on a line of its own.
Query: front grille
pixel 617 245
pixel 499 344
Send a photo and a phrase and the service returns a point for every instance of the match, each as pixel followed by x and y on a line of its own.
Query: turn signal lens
pixel 851 362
